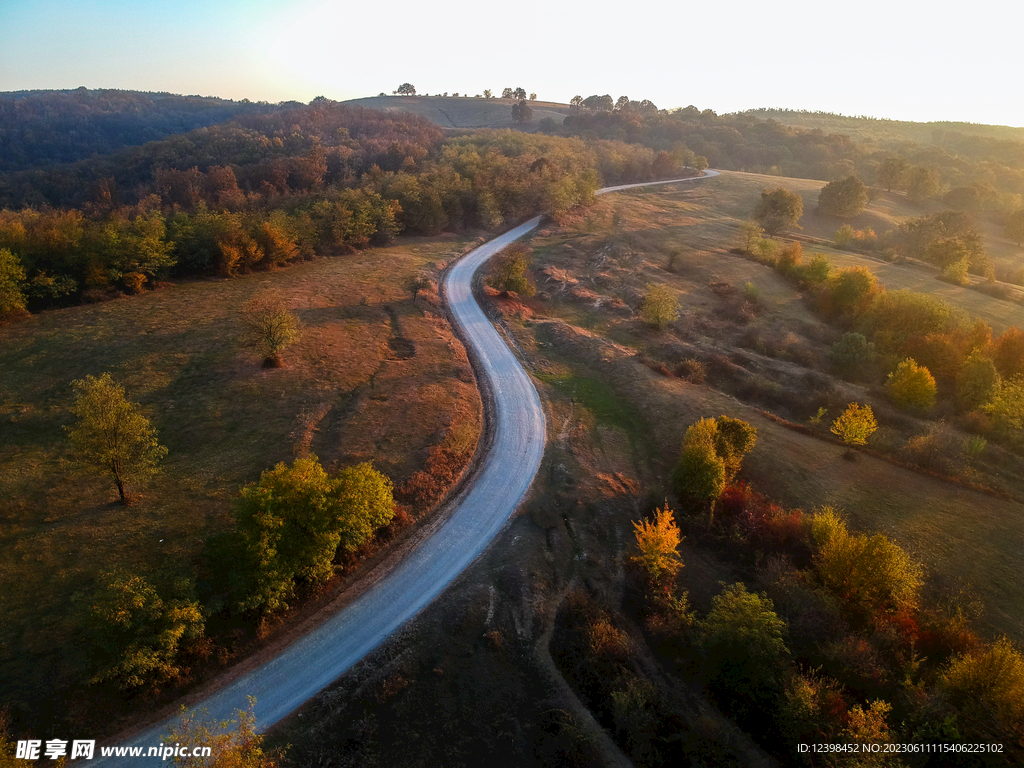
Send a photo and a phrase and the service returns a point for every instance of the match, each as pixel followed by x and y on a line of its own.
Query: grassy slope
pixel 958 533
pixel 350 392
pixel 450 112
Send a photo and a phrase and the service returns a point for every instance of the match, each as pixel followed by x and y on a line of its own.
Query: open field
pixel 375 377
pixel 591 276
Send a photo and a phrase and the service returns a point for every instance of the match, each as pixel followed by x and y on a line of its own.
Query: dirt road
pixel 313 662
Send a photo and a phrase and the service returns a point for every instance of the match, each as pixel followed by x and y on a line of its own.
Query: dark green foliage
pixel 778 209
pixel 853 355
pixel 522 112
pixel 745 651
pixel 844 198
pixel 293 522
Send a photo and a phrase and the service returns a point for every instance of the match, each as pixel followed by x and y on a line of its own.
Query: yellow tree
pixel 660 306
pixel 271 327
pixel 658 542
pixel 911 386
pixel 111 435
pixel 855 425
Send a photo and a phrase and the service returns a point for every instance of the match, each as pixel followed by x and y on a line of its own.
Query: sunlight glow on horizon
pixel 894 60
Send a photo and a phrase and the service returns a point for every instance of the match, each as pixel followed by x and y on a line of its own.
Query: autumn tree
pixel 295 519
pixel 508 271
pixel 851 289
pixel 873 576
pixel 855 425
pixel 987 685
pixel 1008 352
pixel 522 112
pixel 1006 409
pixel 233 744
pixel 660 306
pixel 111 435
pixel 506 93
pixel 138 634
pixel 658 541
pixel 778 209
pixel 519 93
pixel 406 89
pixel 911 386
pixel 12 287
pixel 922 184
pixel 712 453
pixel 893 173
pixel 533 97
pixel 843 198
pixel 271 327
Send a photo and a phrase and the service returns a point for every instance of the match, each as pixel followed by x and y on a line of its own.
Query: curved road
pixel 313 662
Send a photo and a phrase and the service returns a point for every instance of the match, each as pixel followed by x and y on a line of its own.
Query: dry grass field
pixel 374 377
pixel 583 334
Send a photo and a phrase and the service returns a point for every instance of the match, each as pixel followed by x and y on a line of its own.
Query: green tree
pixel 291 524
pixel 843 198
pixel 508 271
pixel 659 307
pixel 778 209
pixel 271 327
pixel 406 89
pixel 855 425
pixel 522 112
pixel 138 633
pixel 976 382
pixel 852 355
pixel 911 386
pixel 851 289
pixel 519 93
pixel 734 439
pixel 745 650
pixel 1006 409
pixel 658 542
pixel 1014 226
pixel 488 94
pixel 111 435
pixel 893 173
pixel 506 93
pixel 922 184
pixel 700 472
pixel 12 287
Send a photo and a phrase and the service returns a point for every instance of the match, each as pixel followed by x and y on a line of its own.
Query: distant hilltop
pixel 466 111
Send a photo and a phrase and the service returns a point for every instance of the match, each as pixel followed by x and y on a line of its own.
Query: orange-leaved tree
pixel 658 542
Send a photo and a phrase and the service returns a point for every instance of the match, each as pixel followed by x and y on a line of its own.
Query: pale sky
pixel 899 59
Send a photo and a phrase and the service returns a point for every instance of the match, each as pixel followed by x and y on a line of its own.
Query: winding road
pixel 320 657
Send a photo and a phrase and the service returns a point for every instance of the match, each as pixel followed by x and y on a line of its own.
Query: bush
pixel 816 272
pixel 789 260
pixel 508 271
pixel 911 386
pixel 852 355
pixel 850 290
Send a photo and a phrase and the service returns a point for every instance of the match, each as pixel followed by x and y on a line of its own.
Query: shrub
pixel 989 683
pixel 852 355
pixel 817 271
pixel 911 386
pixel 1006 409
pixel 956 273
pixel 844 236
pixel 789 259
pixel 508 271
pixel 851 289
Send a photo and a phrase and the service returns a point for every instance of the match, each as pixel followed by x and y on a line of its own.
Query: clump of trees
pixel 844 198
pixel 293 522
pixel 234 744
pixel 522 112
pixel 712 454
pixel 111 435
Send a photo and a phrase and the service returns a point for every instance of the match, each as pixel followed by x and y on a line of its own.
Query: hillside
pixel 469 112
pixel 40 128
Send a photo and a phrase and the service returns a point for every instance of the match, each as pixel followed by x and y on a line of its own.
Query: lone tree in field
pixel 855 425
pixel 660 306
pixel 111 435
pixel 658 542
pixel 843 198
pixel 509 271
pixel 778 209
pixel 271 327
pixel 911 386
pixel 522 112
pixel 406 89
